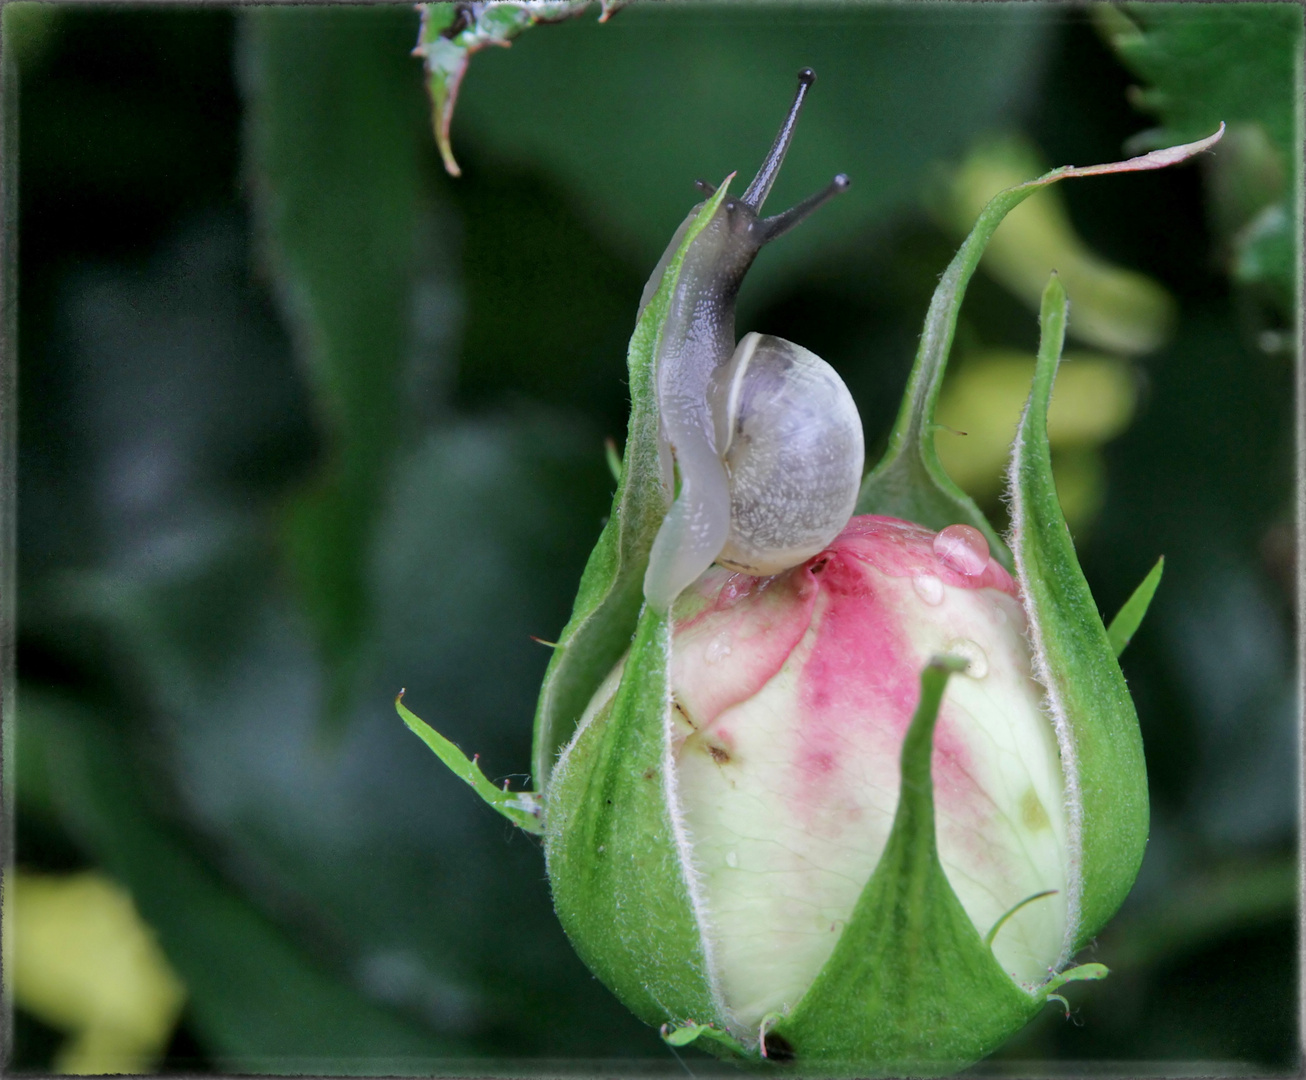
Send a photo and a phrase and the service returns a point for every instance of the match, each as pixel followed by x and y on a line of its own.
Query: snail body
pixel 764 438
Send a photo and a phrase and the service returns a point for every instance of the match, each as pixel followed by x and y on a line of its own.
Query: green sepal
pixel 613 857
pixel 1082 973
pixel 611 591
pixel 522 808
pixel 911 988
pixel 705 1037
pixel 909 482
pixel 1130 616
pixel 1097 728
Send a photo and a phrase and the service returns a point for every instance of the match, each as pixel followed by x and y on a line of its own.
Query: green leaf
pixel 257 1001
pixel 450 34
pixel 1210 64
pixel 335 148
pixel 909 482
pixel 1097 728
pixel 1265 250
pixel 1204 64
pixel 519 807
pixel 614 859
pixel 910 988
pixel 373 835
pixel 1130 616
pixel 612 588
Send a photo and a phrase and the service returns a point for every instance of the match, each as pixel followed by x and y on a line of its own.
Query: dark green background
pixel 303 421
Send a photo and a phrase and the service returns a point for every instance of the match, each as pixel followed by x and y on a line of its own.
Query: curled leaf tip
pixel 446 155
pixel 444 87
pixel 1156 159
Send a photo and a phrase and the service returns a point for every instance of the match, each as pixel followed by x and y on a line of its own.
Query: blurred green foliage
pixel 1201 67
pixel 335 164
pixel 304 421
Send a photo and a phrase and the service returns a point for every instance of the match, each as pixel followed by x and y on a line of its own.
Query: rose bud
pixel 846 793
pixel 791 697
pixel 773 831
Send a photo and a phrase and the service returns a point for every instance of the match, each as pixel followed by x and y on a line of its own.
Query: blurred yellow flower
pixel 1093 403
pixel 1112 308
pixel 81 960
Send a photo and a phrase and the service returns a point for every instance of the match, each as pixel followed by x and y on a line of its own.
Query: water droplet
pixel 718 649
pixel 962 548
pixel 732 859
pixel 928 588
pixel 737 586
pixel 977 660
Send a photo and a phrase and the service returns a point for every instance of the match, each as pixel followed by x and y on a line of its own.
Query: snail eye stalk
pixel 760 188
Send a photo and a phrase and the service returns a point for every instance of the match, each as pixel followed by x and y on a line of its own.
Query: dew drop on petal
pixel 737 586
pixel 732 859
pixel 962 548
pixel 928 588
pixel 718 649
pixel 977 660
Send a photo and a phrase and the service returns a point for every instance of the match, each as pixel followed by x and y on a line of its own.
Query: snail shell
pixel 792 446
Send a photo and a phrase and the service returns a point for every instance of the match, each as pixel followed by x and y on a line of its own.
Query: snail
pixel 764 437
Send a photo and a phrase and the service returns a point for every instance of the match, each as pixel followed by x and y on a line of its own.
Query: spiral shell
pixel 791 441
